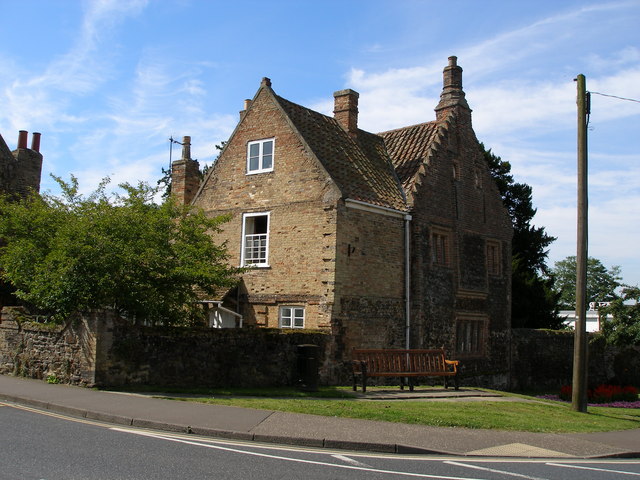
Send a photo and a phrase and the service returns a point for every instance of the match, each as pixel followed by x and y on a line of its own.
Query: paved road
pixel 42 445
pixel 310 430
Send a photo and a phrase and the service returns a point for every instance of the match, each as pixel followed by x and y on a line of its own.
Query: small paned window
pixel 260 156
pixel 440 248
pixel 291 317
pixel 470 337
pixel 255 240
pixel 493 258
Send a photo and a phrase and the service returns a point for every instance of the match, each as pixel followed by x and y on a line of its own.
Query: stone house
pixel 20 169
pixel 392 239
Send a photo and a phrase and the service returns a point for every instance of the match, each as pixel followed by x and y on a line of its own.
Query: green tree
pixel 601 282
pixel 534 301
pixel 624 328
pixel 148 261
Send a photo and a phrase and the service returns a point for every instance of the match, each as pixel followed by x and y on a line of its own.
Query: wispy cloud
pixel 164 97
pixel 528 117
pixel 42 98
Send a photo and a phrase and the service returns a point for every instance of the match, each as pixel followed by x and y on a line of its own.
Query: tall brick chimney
pixel 345 110
pixel 452 96
pixel 185 175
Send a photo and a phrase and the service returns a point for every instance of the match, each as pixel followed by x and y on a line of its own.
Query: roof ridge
pixel 386 132
pixel 360 167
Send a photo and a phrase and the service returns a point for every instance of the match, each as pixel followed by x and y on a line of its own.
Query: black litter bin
pixel 308 367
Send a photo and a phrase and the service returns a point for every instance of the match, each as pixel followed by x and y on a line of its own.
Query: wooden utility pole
pixel 580 353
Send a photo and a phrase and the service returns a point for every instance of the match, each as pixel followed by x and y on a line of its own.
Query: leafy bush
pixel 147 261
pixel 624 328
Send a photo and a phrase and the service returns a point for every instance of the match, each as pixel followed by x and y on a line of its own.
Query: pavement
pixel 145 411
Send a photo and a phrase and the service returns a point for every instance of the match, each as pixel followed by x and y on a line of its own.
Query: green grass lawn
pixel 538 416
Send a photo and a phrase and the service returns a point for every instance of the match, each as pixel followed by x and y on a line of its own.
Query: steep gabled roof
pixel 411 149
pixel 359 166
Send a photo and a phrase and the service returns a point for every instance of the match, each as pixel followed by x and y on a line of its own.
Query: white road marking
pixel 444 459
pixel 296 460
pixel 492 470
pixel 351 461
pixel 579 467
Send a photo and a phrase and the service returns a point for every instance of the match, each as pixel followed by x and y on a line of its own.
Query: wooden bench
pixel 403 364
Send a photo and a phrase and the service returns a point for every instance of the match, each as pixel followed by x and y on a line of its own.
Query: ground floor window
pixel 291 317
pixel 470 336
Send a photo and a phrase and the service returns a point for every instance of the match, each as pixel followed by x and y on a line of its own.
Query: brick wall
pixel 302 219
pixel 370 309
pixel 458 198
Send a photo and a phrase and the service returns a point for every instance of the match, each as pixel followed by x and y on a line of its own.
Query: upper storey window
pixel 260 156
pixel 255 240
pixel 440 254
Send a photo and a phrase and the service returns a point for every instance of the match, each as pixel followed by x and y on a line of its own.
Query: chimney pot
pixel 266 82
pixel 247 103
pixel 22 138
pixel 35 142
pixel 186 148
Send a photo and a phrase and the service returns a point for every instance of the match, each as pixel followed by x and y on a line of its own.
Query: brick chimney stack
pixel 452 96
pixel 345 110
pixel 185 175
pixel 28 166
pixel 247 104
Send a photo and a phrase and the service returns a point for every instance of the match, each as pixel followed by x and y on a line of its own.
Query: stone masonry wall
pixel 543 360
pixel 60 353
pixel 256 357
pixel 101 350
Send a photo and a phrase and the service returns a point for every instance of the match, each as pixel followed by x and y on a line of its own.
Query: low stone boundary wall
pixel 102 350
pixel 251 357
pixel 543 359
pixel 98 349
pixel 57 353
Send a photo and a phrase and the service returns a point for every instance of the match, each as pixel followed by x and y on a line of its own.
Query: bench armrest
pixel 359 366
pixel 453 364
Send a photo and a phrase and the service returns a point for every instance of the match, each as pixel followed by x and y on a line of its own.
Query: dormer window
pixel 260 156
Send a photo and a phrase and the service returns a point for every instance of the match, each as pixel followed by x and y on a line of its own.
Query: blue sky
pixel 107 83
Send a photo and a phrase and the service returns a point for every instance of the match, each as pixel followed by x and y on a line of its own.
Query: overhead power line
pixel 614 96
